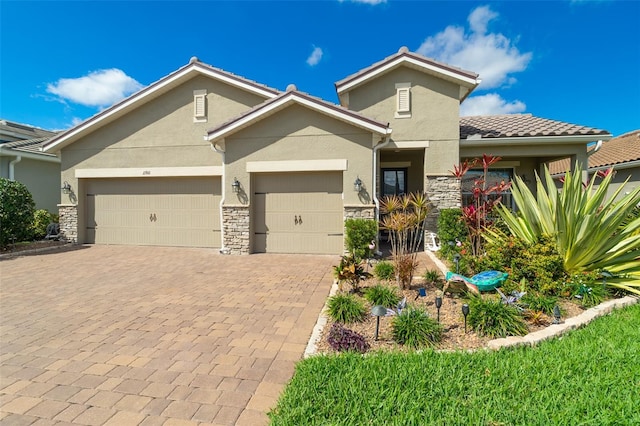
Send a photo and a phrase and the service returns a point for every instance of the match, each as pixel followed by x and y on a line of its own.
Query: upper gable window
pixel 403 100
pixel 199 106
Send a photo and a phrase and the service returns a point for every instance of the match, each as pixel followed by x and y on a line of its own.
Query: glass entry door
pixel 394 181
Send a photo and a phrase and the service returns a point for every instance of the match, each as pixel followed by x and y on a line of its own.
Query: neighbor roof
pixel 194 67
pixel 291 96
pixel 520 125
pixel 11 131
pixel 469 80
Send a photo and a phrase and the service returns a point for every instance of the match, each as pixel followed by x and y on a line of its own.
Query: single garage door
pixel 298 213
pixel 176 211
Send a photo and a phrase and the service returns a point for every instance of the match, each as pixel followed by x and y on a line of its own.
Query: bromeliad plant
pixel 404 218
pixel 592 232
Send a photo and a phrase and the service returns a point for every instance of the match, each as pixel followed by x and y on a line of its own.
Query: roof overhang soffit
pixel 533 140
pixel 147 94
pixel 291 98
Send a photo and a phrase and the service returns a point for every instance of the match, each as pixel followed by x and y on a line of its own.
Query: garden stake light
pixel 378 311
pixel 438 305
pixel 465 312
pixel 422 292
pixel 556 314
pixel 456 260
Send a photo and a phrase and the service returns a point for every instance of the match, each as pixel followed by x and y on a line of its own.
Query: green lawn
pixel 589 377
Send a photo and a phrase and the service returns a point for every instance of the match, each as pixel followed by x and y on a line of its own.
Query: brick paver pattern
pixel 119 335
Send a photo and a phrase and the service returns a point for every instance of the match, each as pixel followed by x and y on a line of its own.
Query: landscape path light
pixel 438 305
pixel 456 260
pixel 422 292
pixel 556 314
pixel 378 311
pixel 465 312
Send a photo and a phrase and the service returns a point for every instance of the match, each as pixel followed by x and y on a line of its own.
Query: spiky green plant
pixel 382 295
pixel 593 232
pixel 346 308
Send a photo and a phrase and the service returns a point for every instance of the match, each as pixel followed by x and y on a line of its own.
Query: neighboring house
pixel 22 160
pixel 621 153
pixel 205 158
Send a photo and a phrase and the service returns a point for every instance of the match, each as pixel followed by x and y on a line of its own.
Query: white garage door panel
pixel 154 211
pixel 298 213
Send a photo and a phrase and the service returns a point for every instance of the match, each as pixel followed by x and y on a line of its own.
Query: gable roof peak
pixel 292 88
pixel 403 49
pixel 194 59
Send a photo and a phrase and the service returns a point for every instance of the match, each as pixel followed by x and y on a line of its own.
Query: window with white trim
pixel 403 100
pixel 199 106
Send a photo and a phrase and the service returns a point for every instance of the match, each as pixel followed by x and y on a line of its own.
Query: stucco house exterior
pixel 22 160
pixel 206 158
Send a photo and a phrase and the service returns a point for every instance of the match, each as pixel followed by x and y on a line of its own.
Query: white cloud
pixel 492 55
pixel 315 56
pixel 100 88
pixel 490 104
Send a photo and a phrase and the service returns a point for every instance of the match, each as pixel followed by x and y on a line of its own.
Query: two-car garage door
pixel 176 211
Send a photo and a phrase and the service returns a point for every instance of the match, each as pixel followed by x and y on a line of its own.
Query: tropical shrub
pixel 351 270
pixel 434 277
pixel 382 295
pixel 539 302
pixel 404 218
pixel 491 317
pixel 416 329
pixel 359 235
pixel 451 228
pixel 591 232
pixel 42 219
pixel 346 308
pixel 588 287
pixel 342 339
pixel 384 270
pixel 16 212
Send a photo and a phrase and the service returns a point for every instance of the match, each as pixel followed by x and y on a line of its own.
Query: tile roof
pixel 520 125
pixel 12 131
pixel 619 150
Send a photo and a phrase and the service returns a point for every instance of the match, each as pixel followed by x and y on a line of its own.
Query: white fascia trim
pixel 149 90
pixel 148 172
pixel 457 77
pixel 407 144
pixel 577 139
pixel 30 155
pixel 289 99
pixel 297 166
pixel 618 166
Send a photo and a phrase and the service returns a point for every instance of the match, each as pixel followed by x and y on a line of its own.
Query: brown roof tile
pixel 520 125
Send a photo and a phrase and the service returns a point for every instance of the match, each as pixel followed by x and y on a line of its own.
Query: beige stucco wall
pixel 435 112
pixel 299 134
pixel 633 173
pixel 42 178
pixel 160 133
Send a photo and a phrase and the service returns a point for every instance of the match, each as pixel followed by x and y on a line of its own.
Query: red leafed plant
pixel 477 215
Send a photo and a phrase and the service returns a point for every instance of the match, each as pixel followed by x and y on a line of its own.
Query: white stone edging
pixel 316 334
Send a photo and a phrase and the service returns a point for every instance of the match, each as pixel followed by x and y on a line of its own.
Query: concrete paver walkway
pixel 117 335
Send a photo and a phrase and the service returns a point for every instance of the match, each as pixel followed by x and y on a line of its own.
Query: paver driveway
pixel 123 335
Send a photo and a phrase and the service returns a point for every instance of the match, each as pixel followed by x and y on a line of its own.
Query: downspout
pixel 223 249
pixel 594 150
pixel 12 166
pixel 383 142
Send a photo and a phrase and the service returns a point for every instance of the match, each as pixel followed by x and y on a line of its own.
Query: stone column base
pixel 236 226
pixel 444 193
pixel 68 222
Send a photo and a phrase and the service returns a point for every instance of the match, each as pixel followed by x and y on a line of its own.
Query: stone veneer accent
pixel 235 223
pixel 359 212
pixel 68 222
pixel 444 193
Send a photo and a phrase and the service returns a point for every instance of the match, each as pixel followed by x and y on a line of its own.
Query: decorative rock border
pixel 316 334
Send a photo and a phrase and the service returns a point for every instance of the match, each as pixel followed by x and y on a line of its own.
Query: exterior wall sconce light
pixel 465 312
pixel 235 186
pixel 378 311
pixel 66 188
pixel 357 185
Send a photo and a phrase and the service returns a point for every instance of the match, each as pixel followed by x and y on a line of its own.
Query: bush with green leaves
pixel 351 270
pixel 42 219
pixel 434 277
pixel 346 308
pixel 451 227
pixel 587 287
pixel 490 317
pixel 342 339
pixel 16 212
pixel 359 233
pixel 592 230
pixel 384 270
pixel 383 295
pixel 416 329
pixel 539 302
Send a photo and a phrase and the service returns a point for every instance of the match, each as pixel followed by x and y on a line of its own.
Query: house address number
pixel 146 172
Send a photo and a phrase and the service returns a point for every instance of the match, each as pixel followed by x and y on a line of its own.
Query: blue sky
pixel 574 61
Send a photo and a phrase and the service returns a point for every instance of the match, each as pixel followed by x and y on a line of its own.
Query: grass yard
pixel 589 377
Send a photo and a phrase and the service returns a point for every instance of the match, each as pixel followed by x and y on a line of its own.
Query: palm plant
pixel 404 218
pixel 592 232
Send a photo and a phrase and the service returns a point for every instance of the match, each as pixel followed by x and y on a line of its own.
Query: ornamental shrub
pixel 492 318
pixel 384 270
pixel 414 328
pixel 382 295
pixel 451 227
pixel 346 308
pixel 359 234
pixel 342 339
pixel 16 212
pixel 42 219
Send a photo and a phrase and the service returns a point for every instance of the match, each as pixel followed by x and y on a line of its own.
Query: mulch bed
pixel 30 246
pixel 454 337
